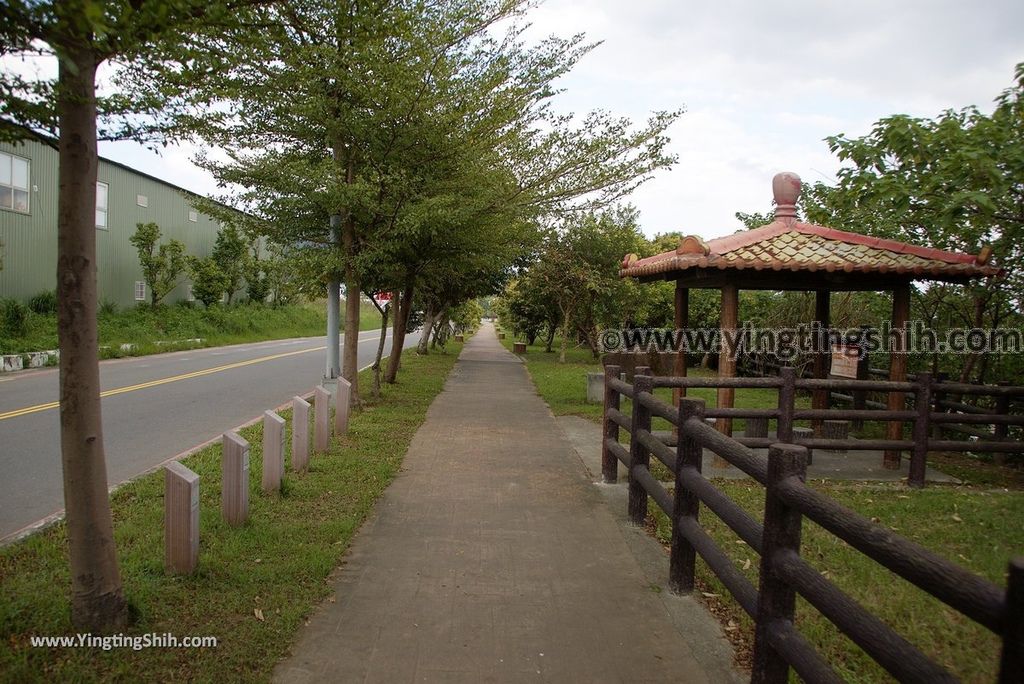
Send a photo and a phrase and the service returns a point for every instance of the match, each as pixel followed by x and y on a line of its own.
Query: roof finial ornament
pixel 786 187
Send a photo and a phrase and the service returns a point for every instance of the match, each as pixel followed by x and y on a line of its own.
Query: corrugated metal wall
pixel 30 241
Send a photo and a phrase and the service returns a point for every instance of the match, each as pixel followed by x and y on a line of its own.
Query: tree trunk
pixel 97 599
pixel 428 327
pixel 350 350
pixel 398 338
pixel 551 337
pixel 380 349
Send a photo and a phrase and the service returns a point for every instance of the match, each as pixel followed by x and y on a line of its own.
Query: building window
pixel 14 177
pixel 193 215
pixel 102 190
pixel 140 291
pixel 142 200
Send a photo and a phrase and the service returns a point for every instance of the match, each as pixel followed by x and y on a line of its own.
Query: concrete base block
pixel 11 362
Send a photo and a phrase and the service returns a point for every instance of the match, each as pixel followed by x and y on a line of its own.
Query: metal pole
pixel 333 369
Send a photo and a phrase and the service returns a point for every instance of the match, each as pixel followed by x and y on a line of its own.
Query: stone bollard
pixel 518 347
pixel 300 434
pixel 321 419
pixel 342 400
pixel 460 338
pixel 181 519
pixel 804 433
pixel 501 336
pixel 595 388
pixel 835 429
pixel 273 451
pixel 756 427
pixel 234 495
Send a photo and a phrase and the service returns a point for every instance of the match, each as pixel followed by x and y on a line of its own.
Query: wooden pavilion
pixel 788 254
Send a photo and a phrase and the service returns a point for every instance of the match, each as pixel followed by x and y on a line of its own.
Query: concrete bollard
pixel 273 451
pixel 234 496
pixel 181 519
pixel 518 347
pixel 300 434
pixel 321 419
pixel 342 399
pixel 501 336
pixel 595 388
pixel 460 338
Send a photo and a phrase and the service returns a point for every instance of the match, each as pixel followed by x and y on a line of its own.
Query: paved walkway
pixel 494 557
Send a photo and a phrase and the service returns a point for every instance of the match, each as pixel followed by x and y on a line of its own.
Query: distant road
pixel 154 408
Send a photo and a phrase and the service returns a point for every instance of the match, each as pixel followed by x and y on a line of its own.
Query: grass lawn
pixel 978 526
pixel 256 584
pixel 144 327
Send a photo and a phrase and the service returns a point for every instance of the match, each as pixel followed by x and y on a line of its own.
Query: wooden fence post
pixel 1000 429
pixel 938 396
pixel 638 454
pixel 1011 664
pixel 685 503
pixel 612 400
pixel 300 434
pixel 787 401
pixel 919 454
pixel 860 397
pixel 776 600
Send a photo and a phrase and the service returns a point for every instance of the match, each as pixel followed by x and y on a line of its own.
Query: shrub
pixel 44 303
pixel 13 318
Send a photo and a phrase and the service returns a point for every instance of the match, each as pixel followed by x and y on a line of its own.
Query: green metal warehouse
pixel 124 198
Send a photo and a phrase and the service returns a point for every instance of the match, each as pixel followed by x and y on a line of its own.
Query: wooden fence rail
pixel 1002 404
pixel 927 413
pixel 778 645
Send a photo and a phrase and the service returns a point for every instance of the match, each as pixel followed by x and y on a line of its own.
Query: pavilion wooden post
pixel 682 320
pixel 727 360
pixel 897 367
pixel 819 398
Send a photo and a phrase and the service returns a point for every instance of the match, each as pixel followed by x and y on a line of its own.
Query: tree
pixel 257 275
pixel 230 253
pixel 952 182
pixel 161 266
pixel 579 270
pixel 82 35
pixel 452 132
pixel 209 282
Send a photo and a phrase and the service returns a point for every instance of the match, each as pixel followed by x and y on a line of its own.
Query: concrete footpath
pixel 494 557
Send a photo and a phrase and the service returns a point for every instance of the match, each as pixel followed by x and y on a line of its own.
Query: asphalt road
pixel 154 408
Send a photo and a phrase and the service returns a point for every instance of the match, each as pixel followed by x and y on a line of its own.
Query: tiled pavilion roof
pixel 789 245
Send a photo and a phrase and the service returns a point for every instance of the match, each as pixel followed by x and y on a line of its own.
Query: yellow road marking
pixel 163 381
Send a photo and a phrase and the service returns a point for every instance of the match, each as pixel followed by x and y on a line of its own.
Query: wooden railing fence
pixel 778 645
pixel 951 402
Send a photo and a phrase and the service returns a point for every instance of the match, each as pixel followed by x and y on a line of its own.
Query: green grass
pixel 144 327
pixel 977 527
pixel 278 562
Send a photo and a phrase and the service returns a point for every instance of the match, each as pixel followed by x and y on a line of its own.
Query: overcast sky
pixel 762 84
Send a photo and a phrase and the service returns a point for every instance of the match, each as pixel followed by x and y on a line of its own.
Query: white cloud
pixel 764 83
